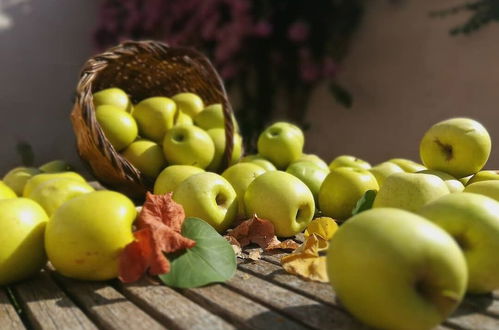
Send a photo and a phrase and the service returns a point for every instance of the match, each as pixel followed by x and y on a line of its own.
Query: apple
pixel 147 156
pixel 483 176
pixel 212 117
pixel 349 161
pixel 458 146
pixel 489 188
pixel 6 192
pixel 310 174
pixel 118 126
pixel 154 116
pixel 22 227
pixel 282 199
pixel 188 145
pixel 17 178
pixel 188 103
pixel 86 235
pixel 39 179
pixel 473 221
pixel 341 190
pixel 240 176
pixel 53 193
pixel 314 159
pixel 260 161
pixel 182 119
pixel 410 191
pixel 407 165
pixel 210 197
pixel 218 137
pixel 281 143
pixel 113 96
pixel 464 180
pixel 393 269
pixel 452 183
pixel 56 166
pixel 383 170
pixel 172 176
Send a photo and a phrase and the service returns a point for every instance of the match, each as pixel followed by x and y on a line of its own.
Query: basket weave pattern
pixel 143 69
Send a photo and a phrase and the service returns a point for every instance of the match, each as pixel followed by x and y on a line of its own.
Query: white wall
pixel 406 73
pixel 40 58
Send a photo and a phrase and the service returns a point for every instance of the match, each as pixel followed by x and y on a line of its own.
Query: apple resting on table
pixel 393 269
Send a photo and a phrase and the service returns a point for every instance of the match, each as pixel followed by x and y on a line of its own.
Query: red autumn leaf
pixel 261 232
pixel 158 231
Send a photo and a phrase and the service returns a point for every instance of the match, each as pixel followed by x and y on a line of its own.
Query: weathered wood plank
pixel 107 307
pixel 274 273
pixel 8 316
pixel 298 307
pixel 240 310
pixel 171 308
pixel 467 318
pixel 47 307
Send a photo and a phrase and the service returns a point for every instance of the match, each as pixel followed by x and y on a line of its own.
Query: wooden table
pixel 260 296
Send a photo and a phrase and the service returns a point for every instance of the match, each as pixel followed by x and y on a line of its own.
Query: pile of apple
pixel 431 235
pixel 160 131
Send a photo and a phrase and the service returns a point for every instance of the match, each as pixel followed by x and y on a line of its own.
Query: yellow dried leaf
pixel 306 262
pixel 324 227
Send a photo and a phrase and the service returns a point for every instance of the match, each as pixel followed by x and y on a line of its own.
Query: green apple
pixel 260 161
pixel 85 236
pixel 188 103
pixel 410 191
pixel 188 145
pixel 118 126
pixel 155 116
pixel 6 191
pixel 39 179
pixel 473 221
pixel 218 137
pixel 240 176
pixel 314 159
pixel 349 161
pixel 383 170
pixel 341 190
pixel 407 165
pixel 53 193
pixel 172 176
pixel 483 176
pixel 310 174
pixel 211 117
pixel 489 188
pixel 282 199
pixel 452 183
pixel 183 119
pixel 281 143
pixel 458 146
pixel 17 178
pixel 113 96
pixel 147 156
pixel 56 166
pixel 22 227
pixel 393 269
pixel 210 197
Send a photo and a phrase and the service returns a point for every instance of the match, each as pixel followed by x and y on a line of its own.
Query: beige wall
pixel 40 57
pixel 406 73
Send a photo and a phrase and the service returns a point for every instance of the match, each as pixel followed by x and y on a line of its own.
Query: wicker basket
pixel 143 69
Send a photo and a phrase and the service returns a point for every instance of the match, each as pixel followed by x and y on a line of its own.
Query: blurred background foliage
pixel 264 50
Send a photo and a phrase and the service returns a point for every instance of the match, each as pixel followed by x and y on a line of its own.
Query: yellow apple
pixel 85 236
pixel 489 188
pixel 172 176
pixel 407 165
pixel 281 143
pixel 188 103
pixel 155 116
pixel 17 178
pixel 39 179
pixel 452 183
pixel 218 137
pixel 483 176
pixel 260 161
pixel 113 96
pixel 118 126
pixel 56 166
pixel 349 161
pixel 383 170
pixel 6 192
pixel 147 156
pixel 22 227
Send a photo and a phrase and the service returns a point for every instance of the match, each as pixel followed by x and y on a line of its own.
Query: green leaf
pixel 365 202
pixel 211 260
pixel 341 95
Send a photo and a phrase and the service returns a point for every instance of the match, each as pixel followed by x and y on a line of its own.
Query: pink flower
pixel 262 29
pixel 298 31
